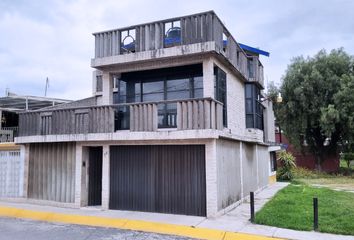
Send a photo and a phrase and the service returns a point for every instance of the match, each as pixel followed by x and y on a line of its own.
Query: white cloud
pixel 53 38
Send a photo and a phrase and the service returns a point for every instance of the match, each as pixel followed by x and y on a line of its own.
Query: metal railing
pixel 7 134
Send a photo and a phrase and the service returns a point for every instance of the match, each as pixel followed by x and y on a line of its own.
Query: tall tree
pixel 309 111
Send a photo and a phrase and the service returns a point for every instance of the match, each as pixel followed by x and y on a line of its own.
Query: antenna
pixel 46 86
pixel 7 92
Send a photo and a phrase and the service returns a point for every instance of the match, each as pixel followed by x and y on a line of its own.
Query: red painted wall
pixel 308 160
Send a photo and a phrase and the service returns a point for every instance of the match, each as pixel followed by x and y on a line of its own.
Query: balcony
pixel 7 134
pixel 255 70
pixel 203 113
pixel 182 36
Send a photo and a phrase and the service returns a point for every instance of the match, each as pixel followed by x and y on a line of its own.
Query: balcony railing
pixel 197 28
pixel 7 134
pixel 255 70
pixel 204 113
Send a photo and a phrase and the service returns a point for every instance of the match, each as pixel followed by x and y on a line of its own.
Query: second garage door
pixel 166 179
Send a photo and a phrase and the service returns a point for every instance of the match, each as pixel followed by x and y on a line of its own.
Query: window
pixel 127 41
pixel 220 90
pixel 156 86
pixel 250 67
pixel 254 108
pixel 224 41
pixel 273 161
pixel 99 83
pixel 172 33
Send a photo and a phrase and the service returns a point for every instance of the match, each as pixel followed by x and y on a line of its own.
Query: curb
pixel 136 225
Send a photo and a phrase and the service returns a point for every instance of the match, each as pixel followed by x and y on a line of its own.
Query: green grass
pixel 336 181
pixel 292 208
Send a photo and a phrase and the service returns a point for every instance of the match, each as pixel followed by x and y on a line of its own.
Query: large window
pixel 156 86
pixel 254 108
pixel 220 90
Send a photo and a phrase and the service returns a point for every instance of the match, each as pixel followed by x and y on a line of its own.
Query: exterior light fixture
pixel 279 98
pixel 327 142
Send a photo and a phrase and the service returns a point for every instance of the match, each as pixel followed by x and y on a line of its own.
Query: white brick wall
pixel 105 177
pixel 236 121
pixel 211 178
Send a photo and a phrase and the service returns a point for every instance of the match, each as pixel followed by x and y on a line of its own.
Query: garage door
pixel 165 179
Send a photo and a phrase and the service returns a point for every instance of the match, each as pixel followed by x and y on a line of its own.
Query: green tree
pixel 314 92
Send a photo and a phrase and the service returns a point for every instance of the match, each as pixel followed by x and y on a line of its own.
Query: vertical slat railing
pixel 143 117
pixel 199 114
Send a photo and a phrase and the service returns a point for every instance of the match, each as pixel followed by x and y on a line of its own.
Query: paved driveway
pixel 15 229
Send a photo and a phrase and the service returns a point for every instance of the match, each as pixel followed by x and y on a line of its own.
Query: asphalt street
pixel 16 229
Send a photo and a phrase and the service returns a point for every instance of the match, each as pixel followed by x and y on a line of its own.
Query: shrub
pixel 287 163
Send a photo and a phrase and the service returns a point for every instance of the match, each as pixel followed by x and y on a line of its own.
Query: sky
pixel 53 38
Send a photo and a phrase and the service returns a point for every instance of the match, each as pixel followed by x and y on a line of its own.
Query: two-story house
pixel 176 124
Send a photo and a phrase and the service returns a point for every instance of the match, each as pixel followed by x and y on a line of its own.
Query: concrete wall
pixel 228 172
pixel 249 168
pixel 269 127
pixel 52 172
pixel 263 165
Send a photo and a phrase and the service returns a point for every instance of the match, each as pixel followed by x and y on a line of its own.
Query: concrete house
pixel 176 124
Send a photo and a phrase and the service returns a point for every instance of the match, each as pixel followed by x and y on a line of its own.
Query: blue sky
pixel 53 38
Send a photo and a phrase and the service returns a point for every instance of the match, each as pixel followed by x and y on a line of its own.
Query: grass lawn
pixel 334 181
pixel 292 208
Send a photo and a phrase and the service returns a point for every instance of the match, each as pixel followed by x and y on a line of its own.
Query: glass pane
pixel 249 107
pixel 249 121
pixel 177 84
pixel 153 87
pixel 249 88
pixel 122 118
pixel 122 87
pixel 153 97
pixel 178 95
pixel 115 98
pixel 198 93
pixel 172 107
pixel 198 82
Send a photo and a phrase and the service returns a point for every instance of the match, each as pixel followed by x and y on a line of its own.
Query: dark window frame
pixel 254 118
pixel 164 110
pixel 99 83
pixel 220 80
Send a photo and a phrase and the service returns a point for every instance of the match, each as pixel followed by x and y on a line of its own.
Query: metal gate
pixel 158 178
pixel 95 176
pixel 11 174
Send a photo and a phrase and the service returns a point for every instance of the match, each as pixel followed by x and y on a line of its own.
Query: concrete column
pixel 105 177
pixel 78 172
pixel 257 164
pixel 211 178
pixel 25 158
pixel 208 78
pixel 241 169
pixel 107 87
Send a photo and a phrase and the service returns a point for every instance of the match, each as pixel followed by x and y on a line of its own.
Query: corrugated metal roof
pixel 254 50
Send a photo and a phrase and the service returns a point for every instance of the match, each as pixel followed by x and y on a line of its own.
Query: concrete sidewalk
pixel 233 225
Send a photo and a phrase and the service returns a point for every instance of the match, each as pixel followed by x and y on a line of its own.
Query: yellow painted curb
pixel 136 225
pixel 9 146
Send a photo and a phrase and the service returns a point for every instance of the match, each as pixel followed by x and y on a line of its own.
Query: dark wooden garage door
pixel 166 179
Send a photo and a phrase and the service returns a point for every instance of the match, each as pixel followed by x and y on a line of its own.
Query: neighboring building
pixel 11 159
pixel 176 124
pixel 306 159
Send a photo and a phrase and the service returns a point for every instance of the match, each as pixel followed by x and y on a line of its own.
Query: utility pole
pixel 46 86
